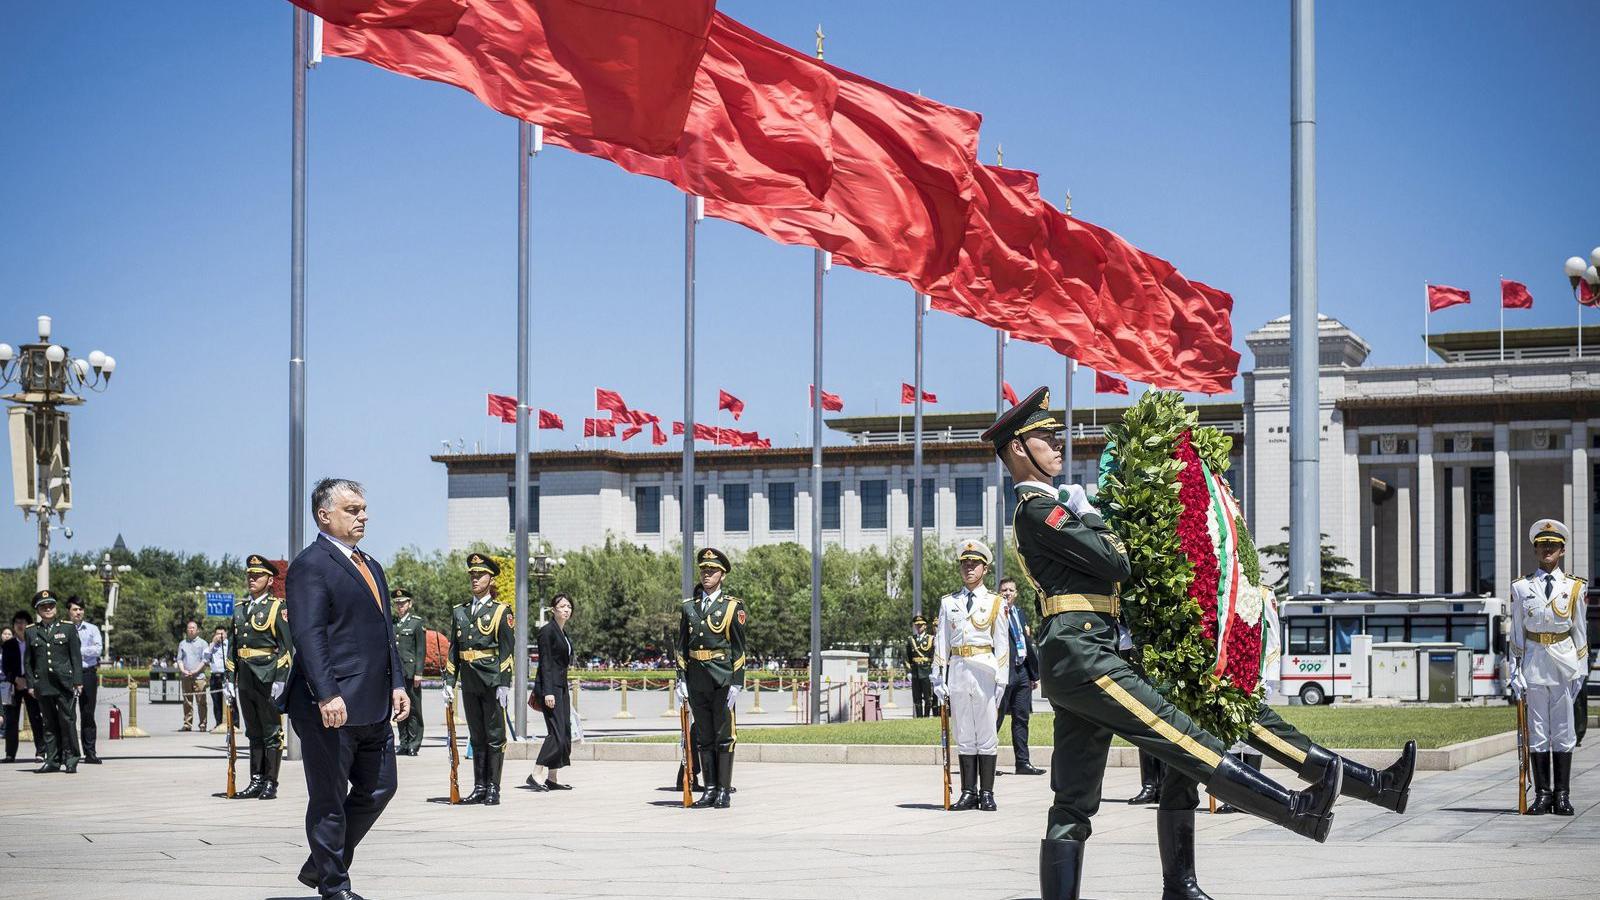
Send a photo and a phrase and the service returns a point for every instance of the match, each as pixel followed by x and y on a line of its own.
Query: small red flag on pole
pixel 549 420
pixel 908 395
pixel 657 436
pixel 830 402
pixel 604 399
pixel 504 407
pixel 730 403
pixel 1514 295
pixel 1109 384
pixel 1008 393
pixel 1443 297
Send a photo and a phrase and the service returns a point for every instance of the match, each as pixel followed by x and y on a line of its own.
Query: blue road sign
pixel 219 603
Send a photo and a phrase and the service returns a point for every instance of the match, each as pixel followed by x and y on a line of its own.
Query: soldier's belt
pixel 475 655
pixel 1096 603
pixel 1540 637
pixel 707 655
pixel 248 653
pixel 970 651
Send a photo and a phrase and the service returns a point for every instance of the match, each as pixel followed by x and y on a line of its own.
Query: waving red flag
pixel 1514 295
pixel 1443 297
pixel 599 428
pixel 830 402
pixel 1109 384
pixel 996 273
pixel 604 399
pixel 730 403
pixel 1588 294
pixel 550 421
pixel 657 436
pixel 677 428
pixel 908 395
pixel 1006 392
pixel 703 432
pixel 427 16
pixel 504 407
pixel 631 430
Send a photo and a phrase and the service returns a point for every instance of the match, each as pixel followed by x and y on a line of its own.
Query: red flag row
pixel 1513 295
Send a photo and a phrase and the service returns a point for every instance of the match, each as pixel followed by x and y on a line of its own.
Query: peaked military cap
pixel 482 562
pixel 975 549
pixel 1032 414
pixel 712 558
pixel 1549 531
pixel 44 598
pixel 399 594
pixel 257 564
pixel 919 620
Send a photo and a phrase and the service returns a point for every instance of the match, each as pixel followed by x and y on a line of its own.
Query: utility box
pixel 1360 667
pixel 843 673
pixel 165 685
pixel 1394 670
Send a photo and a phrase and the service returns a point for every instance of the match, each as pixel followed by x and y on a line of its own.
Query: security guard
pixel 711 674
pixel 919 666
pixel 1550 663
pixel 411 636
pixel 482 640
pixel 970 669
pixel 1076 565
pixel 55 676
pixel 259 654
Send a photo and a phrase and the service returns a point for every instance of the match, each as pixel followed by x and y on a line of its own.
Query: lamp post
pixel 48 380
pixel 1579 274
pixel 108 581
pixel 543 566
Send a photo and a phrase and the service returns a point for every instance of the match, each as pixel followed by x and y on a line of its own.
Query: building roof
pixel 973 423
pixel 1520 343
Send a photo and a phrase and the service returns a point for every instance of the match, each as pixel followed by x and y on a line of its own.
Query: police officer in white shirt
pixel 1549 664
pixel 970 670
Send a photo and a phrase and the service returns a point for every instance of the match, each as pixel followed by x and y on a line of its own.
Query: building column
pixel 1357 497
pixel 1578 547
pixel 1505 548
pixel 1403 531
pixel 1426 496
pixel 1460 549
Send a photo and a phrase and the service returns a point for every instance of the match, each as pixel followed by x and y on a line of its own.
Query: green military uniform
pixel 54 667
pixel 259 655
pixel 919 666
pixel 482 641
pixel 1075 564
pixel 711 660
pixel 411 637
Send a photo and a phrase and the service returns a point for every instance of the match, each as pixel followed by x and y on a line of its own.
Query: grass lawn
pixel 1332 726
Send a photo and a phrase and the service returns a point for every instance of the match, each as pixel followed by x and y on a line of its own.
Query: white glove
pixel 449 694
pixel 277 690
pixel 683 692
pixel 503 694
pixel 939 690
pixel 229 691
pixel 1519 684
pixel 733 695
pixel 1078 500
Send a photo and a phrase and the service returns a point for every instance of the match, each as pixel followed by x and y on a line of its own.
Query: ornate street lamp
pixel 542 566
pixel 108 581
pixel 1580 275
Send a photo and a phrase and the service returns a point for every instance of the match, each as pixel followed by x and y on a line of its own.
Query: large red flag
pixel 620 71
pixel 1006 392
pixel 730 403
pixel 908 395
pixel 830 402
pixel 504 407
pixel 1514 295
pixel 1443 297
pixel 1109 384
pixel 996 273
pixel 550 421
pixel 604 399
pixel 427 16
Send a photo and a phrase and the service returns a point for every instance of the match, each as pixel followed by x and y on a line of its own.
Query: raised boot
pixel 969 780
pixel 478 789
pixel 491 778
pixel 986 782
pixel 724 779
pixel 1060 869
pixel 1308 813
pixel 1175 835
pixel 708 774
pixel 1543 799
pixel 1562 784
pixel 1149 780
pixel 1253 760
pixel 1389 788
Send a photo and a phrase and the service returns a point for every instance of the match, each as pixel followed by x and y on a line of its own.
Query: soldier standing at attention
pixel 411 637
pixel 482 640
pixel 970 669
pixel 1075 563
pixel 919 666
pixel 258 659
pixel 55 676
pixel 1550 663
pixel 711 674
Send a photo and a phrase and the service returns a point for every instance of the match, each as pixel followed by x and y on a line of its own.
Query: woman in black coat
pixel 551 698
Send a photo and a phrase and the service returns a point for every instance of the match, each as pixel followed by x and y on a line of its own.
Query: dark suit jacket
pixel 11 661
pixel 343 642
pixel 1028 668
pixel 555 655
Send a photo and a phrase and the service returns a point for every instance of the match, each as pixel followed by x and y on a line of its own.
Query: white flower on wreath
pixel 1249 605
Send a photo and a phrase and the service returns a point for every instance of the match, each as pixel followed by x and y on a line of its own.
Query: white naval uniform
pixel 972 679
pixel 1554 671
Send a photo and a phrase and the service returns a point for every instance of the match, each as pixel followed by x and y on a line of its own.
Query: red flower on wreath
pixel 1242 659
pixel 1195 538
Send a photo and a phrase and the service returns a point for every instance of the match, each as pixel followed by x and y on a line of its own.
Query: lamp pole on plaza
pixel 108 582
pixel 49 380
pixel 542 567
pixel 1579 274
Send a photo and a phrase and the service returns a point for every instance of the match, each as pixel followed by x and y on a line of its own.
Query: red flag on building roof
pixel 599 428
pixel 426 16
pixel 1109 384
pixel 504 407
pixel 1443 297
pixel 908 395
pixel 549 420
pixel 657 436
pixel 677 428
pixel 703 432
pixel 730 403
pixel 1006 392
pixel 604 399
pixel 1515 295
pixel 830 402
pixel 631 430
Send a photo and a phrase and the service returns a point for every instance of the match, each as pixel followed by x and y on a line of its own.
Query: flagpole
pixel 297 308
pixel 1066 451
pixel 1427 314
pixel 691 216
pixel 999 470
pixel 819 268
pixel 529 139
pixel 1502 318
pixel 916 468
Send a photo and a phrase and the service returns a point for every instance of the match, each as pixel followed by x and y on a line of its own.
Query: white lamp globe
pixel 55 353
pixel 96 358
pixel 80 369
pixel 1594 256
pixel 1575 267
pixel 1592 275
pixel 110 365
pixel 6 353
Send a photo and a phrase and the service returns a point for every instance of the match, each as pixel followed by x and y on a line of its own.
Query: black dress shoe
pixel 723 801
pixel 986 801
pixel 46 769
pixel 1028 769
pixel 8 760
pixel 556 786
pixel 342 895
pixel 707 800
pixel 967 800
pixel 536 784
pixel 92 760
pixel 72 769
pixel 269 791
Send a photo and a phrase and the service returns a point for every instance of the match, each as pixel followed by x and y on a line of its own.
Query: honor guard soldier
pixel 411 637
pixel 482 641
pixel 711 674
pixel 1076 565
pixel 1550 663
pixel 55 676
pixel 970 669
pixel 259 654
pixel 919 666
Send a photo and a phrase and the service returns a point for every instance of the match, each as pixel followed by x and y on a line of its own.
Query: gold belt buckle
pixel 1546 638
pixel 475 655
pixel 707 655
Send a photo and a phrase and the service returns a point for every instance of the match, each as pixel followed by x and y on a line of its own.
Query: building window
pixel 928 494
pixel 699 505
pixel 533 507
pixel 830 505
pixel 780 506
pixel 1480 500
pixel 647 510
pixel 875 503
pixel 969 502
pixel 736 507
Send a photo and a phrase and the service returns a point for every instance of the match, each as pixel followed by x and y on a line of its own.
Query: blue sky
pixel 144 200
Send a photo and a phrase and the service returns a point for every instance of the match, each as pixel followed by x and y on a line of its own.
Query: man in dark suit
pixel 11 656
pixel 344 685
pixel 1018 698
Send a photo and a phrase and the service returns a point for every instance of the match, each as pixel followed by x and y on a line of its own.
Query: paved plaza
pixel 146 825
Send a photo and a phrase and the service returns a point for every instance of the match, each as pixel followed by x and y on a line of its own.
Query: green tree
pixel 1336 577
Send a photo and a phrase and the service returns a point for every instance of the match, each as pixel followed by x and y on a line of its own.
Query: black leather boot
pixel 478 789
pixel 1253 760
pixel 1308 813
pixel 1175 835
pixel 1562 804
pixel 491 778
pixel 1543 799
pixel 724 779
pixel 1060 869
pixel 1149 780
pixel 254 789
pixel 986 783
pixel 708 774
pixel 1389 788
pixel 271 758
pixel 969 779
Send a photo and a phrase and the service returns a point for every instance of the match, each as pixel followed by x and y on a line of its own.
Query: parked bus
pixel 1318 628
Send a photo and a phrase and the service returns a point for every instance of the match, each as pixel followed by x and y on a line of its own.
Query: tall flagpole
pixel 819 268
pixel 1305 450
pixel 529 139
pixel 916 469
pixel 297 308
pixel 1503 318
pixel 691 216
pixel 1072 368
pixel 999 470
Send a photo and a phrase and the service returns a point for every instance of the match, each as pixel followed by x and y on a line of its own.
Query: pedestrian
pixel 411 639
pixel 711 662
pixel 482 640
pixel 971 669
pixel 12 656
pixel 91 645
pixel 1022 680
pixel 1077 564
pixel 1550 664
pixel 550 692
pixel 919 667
pixel 192 666
pixel 260 653
pixel 55 677
pixel 217 671
pixel 344 687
